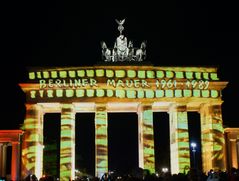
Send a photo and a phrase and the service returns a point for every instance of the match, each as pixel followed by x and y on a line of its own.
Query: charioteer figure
pixel 123 51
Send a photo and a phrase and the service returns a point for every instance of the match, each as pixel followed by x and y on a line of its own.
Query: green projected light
pixel 120 73
pixel 90 73
pixel 144 82
pixel 100 73
pixel 131 73
pixel 81 73
pixel 122 93
pixel 160 74
pixel 80 93
pixel 72 74
pixel 189 75
pixel 179 139
pixel 69 93
pixel 53 74
pixel 178 93
pixel 179 75
pixel 46 75
pixel 147 138
pixel 32 147
pixel 110 93
pixel 212 129
pixel 169 74
pixel 101 140
pixel 109 73
pixel 141 89
pixel 63 74
pixel 31 75
pixel 214 76
pixel 141 74
pixel 149 94
pixel 150 74
pixel 67 144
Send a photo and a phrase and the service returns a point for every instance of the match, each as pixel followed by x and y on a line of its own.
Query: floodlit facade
pixel 140 89
pixel 124 83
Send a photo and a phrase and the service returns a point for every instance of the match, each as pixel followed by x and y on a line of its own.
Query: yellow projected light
pixel 179 140
pixel 141 89
pixel 212 129
pixel 32 147
pixel 101 141
pixel 146 138
pixel 174 82
pixel 148 141
pixel 67 145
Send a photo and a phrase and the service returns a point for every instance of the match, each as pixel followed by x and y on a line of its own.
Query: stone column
pixel 101 140
pixel 233 153
pixel 179 139
pixel 32 147
pixel 146 137
pixel 67 145
pixel 15 162
pixel 212 137
pixel 3 159
pixel 237 152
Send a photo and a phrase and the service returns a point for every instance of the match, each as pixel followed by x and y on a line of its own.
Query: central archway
pixel 123 142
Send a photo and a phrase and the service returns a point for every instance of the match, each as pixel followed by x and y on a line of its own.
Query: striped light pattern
pixel 139 72
pixel 146 138
pixel 67 146
pixel 101 141
pixel 212 137
pixel 32 146
pixel 179 139
pixel 121 93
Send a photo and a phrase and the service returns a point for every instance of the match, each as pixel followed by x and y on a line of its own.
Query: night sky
pixel 60 33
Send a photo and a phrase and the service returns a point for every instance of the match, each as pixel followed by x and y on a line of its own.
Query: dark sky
pixel 57 33
pixel 60 33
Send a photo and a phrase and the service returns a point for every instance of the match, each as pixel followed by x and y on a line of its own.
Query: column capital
pixel 67 106
pixel 15 143
pixel 144 106
pixel 176 107
pixel 214 103
pixel 34 106
pixel 30 105
pixel 6 144
pixel 209 106
pixel 100 106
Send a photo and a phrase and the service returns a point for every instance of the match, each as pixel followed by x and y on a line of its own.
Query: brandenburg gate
pixel 140 89
pixel 111 87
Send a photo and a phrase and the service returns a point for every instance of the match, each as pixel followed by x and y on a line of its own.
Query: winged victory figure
pixel 120 23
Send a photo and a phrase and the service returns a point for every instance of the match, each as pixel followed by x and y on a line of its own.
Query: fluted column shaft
pixel 101 140
pixel 179 139
pixel 212 137
pixel 3 159
pixel 32 147
pixel 67 145
pixel 15 161
pixel 234 154
pixel 146 137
